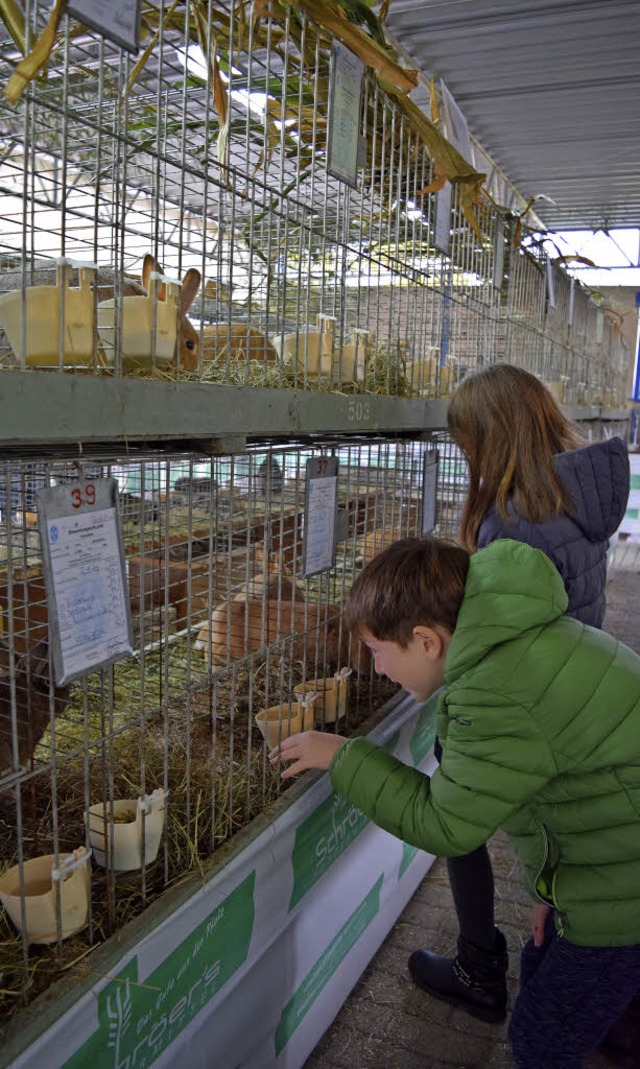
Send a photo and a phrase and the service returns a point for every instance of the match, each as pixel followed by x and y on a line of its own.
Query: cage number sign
pixel 429 484
pixel 85 577
pixel 442 228
pixel 119 20
pixel 498 255
pixel 344 116
pixel 551 285
pixel 320 515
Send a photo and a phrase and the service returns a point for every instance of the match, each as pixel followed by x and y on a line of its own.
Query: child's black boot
pixel 475 979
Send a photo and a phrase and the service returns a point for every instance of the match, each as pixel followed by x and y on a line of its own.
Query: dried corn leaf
pixel 272 114
pixel 209 46
pixel 33 63
pixel 220 98
pixel 572 259
pixel 436 184
pixel 384 10
pixel 447 158
pixel 332 18
pixel 13 19
pixel 142 61
pixel 532 200
pixel 517 232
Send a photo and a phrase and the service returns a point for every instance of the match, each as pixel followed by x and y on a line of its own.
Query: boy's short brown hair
pixel 414 581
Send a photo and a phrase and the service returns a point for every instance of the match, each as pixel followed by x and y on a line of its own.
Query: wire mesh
pixel 205 163
pixel 155 761
pixel 226 252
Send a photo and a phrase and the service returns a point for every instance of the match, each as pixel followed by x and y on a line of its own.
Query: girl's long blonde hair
pixel 509 427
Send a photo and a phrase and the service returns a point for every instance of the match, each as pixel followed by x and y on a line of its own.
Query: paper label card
pixel 429 487
pixel 320 515
pixel 85 577
pixel 344 115
pixel 498 253
pixel 442 228
pixel 551 285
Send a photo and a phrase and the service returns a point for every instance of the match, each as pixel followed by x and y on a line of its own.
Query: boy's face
pixel 418 668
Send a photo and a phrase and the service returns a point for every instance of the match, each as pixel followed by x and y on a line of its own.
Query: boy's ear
pixel 432 641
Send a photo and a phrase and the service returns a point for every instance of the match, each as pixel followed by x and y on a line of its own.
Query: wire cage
pixel 551 325
pixel 165 747
pixel 209 159
pixel 173 217
pixel 176 215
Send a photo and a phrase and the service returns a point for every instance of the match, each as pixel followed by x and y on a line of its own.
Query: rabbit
pixel 32 702
pixel 374 542
pixel 269 478
pixel 193 548
pixel 270 587
pixel 137 509
pixel 188 342
pixel 238 341
pixel 198 490
pixel 271 583
pixel 150 584
pixel 264 623
pixel 44 273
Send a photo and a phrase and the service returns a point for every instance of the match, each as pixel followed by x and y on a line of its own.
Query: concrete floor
pixel 388 1023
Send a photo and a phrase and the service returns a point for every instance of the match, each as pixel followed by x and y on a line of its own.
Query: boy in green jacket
pixel 539 720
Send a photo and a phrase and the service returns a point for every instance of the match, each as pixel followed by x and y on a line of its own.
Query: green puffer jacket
pixel 540 726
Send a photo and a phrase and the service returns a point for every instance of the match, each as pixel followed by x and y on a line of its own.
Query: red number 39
pixel 89 498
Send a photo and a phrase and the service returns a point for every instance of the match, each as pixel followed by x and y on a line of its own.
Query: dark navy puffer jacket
pixel 597 478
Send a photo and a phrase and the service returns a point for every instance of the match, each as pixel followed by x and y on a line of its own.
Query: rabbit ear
pixel 149 264
pixel 189 288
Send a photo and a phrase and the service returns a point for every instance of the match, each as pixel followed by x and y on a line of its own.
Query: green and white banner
pixel 251 970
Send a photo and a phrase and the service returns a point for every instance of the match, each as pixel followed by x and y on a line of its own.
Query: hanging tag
pixel 321 498
pixel 85 576
pixel 118 21
pixel 344 115
pixel 429 484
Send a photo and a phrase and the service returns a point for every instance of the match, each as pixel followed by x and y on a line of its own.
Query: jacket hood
pixel 510 588
pixel 597 478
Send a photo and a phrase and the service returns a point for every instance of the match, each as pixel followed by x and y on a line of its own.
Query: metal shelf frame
pixel 49 409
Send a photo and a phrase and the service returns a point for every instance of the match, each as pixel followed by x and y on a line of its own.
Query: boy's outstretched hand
pixel 309 749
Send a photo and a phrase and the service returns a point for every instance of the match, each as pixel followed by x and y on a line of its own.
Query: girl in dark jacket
pixel 531 479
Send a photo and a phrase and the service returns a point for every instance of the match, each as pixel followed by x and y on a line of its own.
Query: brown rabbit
pixel 44 273
pixel 276 584
pixel 32 702
pixel 272 587
pixel 375 541
pixel 238 341
pixel 238 629
pixel 188 341
pixel 151 583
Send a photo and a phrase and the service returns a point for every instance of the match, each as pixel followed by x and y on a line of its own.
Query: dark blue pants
pixel 569 996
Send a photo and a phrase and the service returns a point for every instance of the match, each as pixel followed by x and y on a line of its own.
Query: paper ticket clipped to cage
pixel 85 576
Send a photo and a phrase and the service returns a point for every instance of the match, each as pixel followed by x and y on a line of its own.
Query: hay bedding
pixel 213 763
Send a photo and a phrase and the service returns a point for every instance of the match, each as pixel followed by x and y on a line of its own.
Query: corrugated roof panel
pixel 551 88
